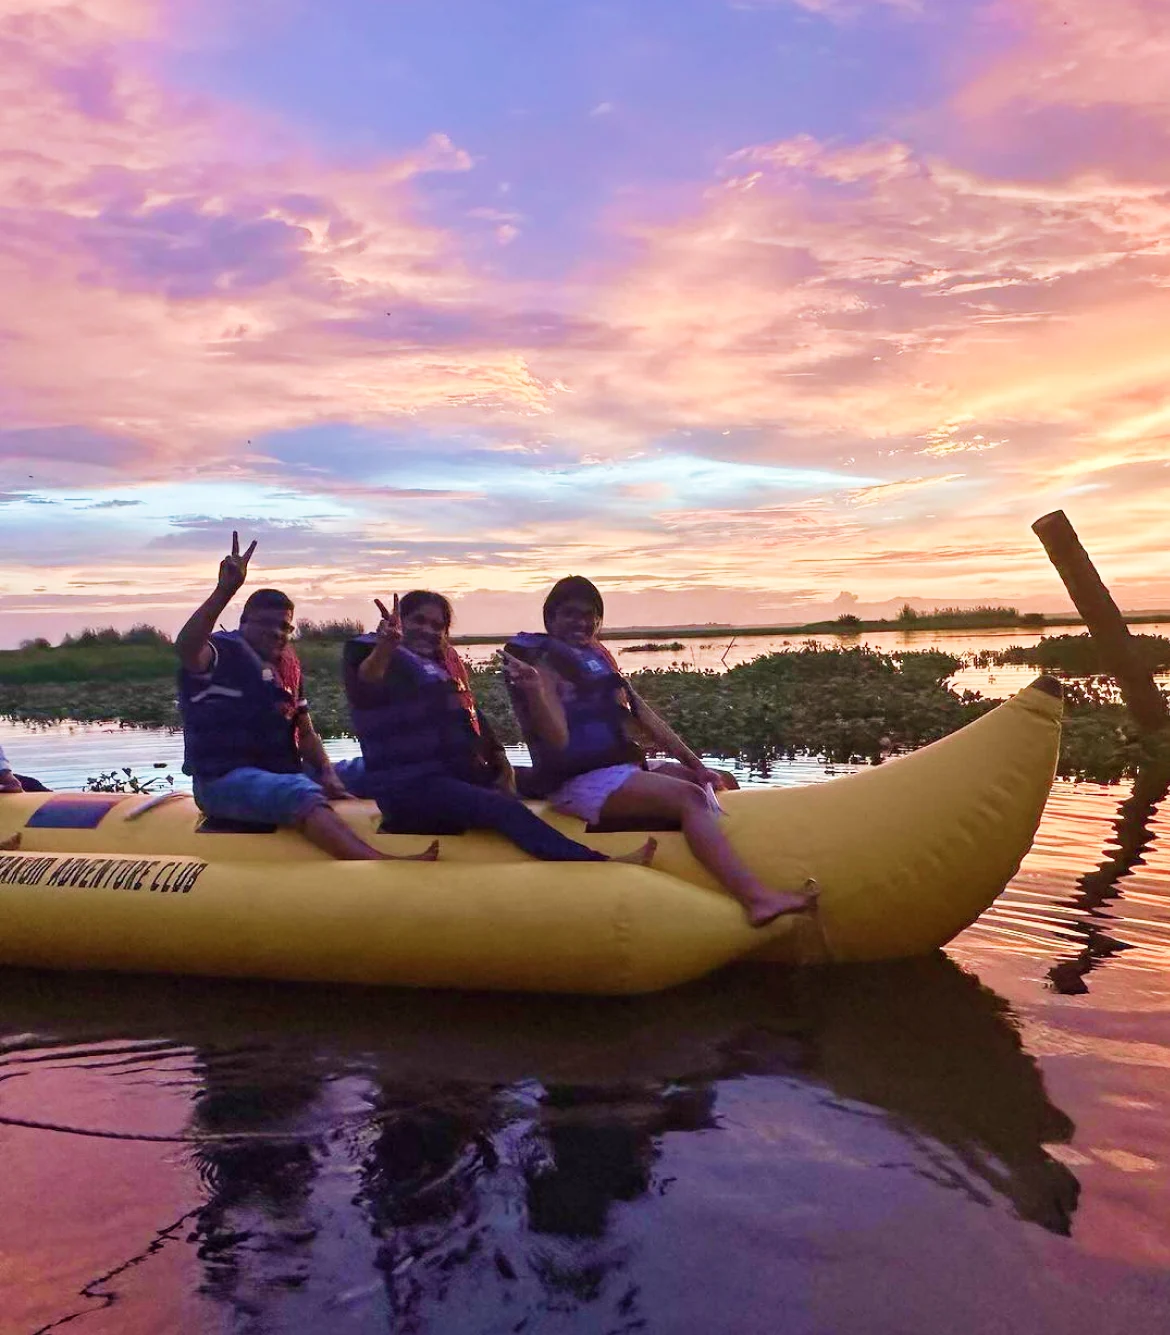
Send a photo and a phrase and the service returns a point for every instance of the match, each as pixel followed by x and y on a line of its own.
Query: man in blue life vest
pixel 248 738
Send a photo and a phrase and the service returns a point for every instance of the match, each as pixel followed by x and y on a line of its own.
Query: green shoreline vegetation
pixel 845 704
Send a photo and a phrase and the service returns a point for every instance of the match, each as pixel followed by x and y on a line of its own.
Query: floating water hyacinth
pixel 842 705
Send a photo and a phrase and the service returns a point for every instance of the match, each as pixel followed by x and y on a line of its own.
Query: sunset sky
pixel 734 305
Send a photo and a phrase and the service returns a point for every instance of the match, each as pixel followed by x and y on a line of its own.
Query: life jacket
pixel 419 720
pixel 238 715
pixel 591 695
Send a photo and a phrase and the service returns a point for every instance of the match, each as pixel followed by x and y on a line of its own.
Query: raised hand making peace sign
pixel 390 627
pixel 233 569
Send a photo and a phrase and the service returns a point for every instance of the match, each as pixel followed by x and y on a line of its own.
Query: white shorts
pixel 585 795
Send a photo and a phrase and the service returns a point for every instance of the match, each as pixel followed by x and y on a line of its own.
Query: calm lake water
pixel 976 1142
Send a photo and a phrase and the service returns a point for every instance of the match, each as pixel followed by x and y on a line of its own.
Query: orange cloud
pixel 870 292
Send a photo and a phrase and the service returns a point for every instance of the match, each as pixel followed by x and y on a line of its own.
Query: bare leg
pixel 648 793
pixel 12 842
pixel 325 828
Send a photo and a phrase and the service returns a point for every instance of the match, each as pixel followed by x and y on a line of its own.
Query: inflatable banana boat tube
pixel 907 854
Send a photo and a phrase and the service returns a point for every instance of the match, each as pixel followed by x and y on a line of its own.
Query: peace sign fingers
pixel 233 569
pixel 390 627
pixel 247 556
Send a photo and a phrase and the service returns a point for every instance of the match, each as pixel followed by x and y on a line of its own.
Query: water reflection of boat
pixel 907 855
pixel 480 1116
pixel 938 1052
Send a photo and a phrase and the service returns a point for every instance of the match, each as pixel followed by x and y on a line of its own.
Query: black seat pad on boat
pixel 224 825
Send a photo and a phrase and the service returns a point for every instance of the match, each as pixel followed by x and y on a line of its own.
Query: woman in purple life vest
pixel 581 733
pixel 431 761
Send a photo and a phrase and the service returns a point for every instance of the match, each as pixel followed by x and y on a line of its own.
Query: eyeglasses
pixel 263 623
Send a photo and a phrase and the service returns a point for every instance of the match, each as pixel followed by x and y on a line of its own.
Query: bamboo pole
pixel 1104 620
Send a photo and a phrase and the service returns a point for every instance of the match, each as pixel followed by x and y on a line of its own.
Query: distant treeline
pixel 984 617
pixel 106 654
pixel 143 633
pixel 341 629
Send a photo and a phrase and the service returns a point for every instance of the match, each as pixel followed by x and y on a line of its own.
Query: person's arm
pixel 312 750
pixel 193 642
pixel 373 667
pixel 663 737
pixel 9 783
pixel 503 775
pixel 534 696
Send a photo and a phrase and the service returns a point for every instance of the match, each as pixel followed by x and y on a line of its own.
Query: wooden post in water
pixel 1104 620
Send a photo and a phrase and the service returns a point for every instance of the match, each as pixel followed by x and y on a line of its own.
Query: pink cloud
pixel 1077 53
pixel 179 273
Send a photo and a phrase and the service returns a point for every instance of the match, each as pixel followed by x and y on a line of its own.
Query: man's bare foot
pixel 429 854
pixel 640 857
pixel 11 843
pixel 773 904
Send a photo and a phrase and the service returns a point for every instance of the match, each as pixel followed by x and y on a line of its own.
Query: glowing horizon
pixel 737 306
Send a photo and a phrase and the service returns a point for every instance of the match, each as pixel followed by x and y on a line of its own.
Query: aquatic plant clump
pixel 842 705
pixel 126 781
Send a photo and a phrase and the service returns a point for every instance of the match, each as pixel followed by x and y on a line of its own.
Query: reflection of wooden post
pixel 1104 620
pixel 1133 834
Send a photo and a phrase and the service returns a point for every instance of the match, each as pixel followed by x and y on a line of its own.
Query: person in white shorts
pixel 581 731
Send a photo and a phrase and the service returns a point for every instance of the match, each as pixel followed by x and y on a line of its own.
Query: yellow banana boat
pixel 907 854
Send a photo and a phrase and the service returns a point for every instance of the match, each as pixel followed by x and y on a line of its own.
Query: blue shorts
pixel 259 795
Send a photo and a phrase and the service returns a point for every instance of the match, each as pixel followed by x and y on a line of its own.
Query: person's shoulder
pixel 228 643
pixel 528 646
pixel 604 654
